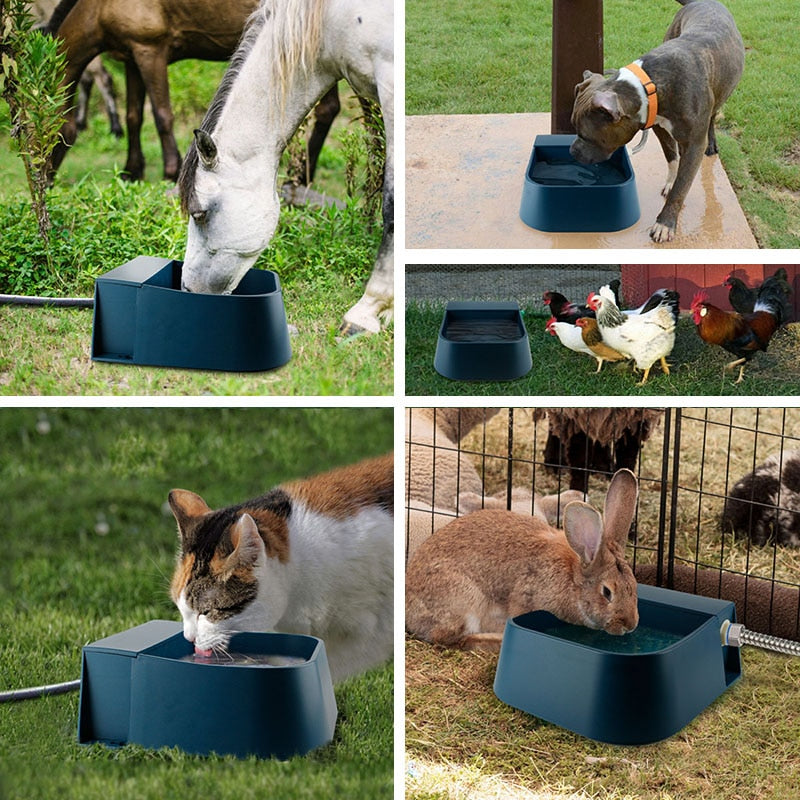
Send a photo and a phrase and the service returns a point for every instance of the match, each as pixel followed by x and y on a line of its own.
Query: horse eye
pixel 199 217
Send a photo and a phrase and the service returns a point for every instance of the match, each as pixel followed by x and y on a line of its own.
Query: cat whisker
pixel 222 650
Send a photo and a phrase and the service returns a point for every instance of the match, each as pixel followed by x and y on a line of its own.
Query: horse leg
pixel 105 84
pixel 374 310
pixel 152 63
pixel 324 114
pixel 134 92
pixel 84 92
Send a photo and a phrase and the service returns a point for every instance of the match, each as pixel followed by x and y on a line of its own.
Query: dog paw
pixel 662 233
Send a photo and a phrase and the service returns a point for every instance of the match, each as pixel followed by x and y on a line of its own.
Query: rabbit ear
pixel 583 527
pixel 620 506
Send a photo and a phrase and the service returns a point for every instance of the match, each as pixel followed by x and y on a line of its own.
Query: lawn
pixel 323 257
pixel 89 549
pixel 696 368
pixel 496 57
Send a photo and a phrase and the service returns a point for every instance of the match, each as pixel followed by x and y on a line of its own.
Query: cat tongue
pixel 204 653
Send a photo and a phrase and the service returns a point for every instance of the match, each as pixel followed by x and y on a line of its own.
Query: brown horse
pixel 95 74
pixel 148 35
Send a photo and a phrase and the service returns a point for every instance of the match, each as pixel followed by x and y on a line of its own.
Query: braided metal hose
pixel 735 635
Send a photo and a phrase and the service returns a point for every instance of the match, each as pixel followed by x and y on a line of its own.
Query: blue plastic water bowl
pixel 141 316
pixel 560 195
pixel 274 698
pixel 482 341
pixel 633 689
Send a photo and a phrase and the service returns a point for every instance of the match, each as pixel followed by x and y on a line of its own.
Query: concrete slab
pixel 464 177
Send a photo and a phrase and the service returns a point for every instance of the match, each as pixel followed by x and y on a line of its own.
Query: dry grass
pixel 462 742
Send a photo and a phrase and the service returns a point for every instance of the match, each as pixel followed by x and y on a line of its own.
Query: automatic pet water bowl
pixel 482 341
pixel 141 316
pixel 560 195
pixel 146 686
pixel 632 689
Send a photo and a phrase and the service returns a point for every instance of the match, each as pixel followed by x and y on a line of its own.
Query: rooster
pixel 741 334
pixel 743 299
pixel 646 337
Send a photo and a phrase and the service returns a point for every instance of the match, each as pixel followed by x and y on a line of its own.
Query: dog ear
pixel 608 102
pixel 587 79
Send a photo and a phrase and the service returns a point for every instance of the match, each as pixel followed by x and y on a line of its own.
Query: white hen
pixel 645 337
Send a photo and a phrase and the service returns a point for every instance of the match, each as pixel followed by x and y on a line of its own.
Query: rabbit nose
pixel 631 624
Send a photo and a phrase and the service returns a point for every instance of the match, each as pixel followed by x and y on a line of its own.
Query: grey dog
pixel 677 89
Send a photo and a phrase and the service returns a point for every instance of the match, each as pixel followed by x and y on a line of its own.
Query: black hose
pixel 68 302
pixel 39 691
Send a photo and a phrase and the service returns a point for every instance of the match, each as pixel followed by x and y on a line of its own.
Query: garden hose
pixel 735 635
pixel 68 302
pixel 39 691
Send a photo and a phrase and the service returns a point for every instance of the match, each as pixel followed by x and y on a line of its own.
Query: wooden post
pixel 577 45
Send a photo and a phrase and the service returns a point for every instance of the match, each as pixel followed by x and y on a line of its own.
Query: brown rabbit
pixel 471 576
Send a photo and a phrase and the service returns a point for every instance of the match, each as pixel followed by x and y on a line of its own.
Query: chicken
pixel 741 334
pixel 570 336
pixel 743 299
pixel 563 310
pixel 593 339
pixel 645 337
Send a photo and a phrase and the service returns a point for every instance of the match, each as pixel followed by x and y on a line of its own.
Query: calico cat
pixel 312 556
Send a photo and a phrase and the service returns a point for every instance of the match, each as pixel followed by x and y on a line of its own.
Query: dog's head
pixel 600 119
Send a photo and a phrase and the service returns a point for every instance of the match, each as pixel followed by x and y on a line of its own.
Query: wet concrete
pixel 464 177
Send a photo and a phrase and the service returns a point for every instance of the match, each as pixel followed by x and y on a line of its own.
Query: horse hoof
pixel 349 329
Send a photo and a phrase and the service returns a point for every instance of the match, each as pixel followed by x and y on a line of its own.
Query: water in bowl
pixel 246 659
pixel 643 640
pixel 566 172
pixel 489 330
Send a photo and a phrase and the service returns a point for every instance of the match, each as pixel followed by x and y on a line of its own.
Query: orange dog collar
pixel 649 90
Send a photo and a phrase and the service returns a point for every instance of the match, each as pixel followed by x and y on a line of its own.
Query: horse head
pixel 233 210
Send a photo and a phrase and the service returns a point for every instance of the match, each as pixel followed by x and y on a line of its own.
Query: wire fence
pixel 719 489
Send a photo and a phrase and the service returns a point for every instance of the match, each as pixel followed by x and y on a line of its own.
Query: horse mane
pixel 294 39
pixel 189 167
pixel 58 16
pixel 293 30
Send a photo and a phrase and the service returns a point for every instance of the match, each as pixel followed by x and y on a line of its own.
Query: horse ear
pixel 206 149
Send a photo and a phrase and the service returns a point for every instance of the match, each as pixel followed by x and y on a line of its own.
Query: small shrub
pixel 32 73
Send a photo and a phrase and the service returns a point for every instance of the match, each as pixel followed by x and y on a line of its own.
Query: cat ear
pixel 247 544
pixel 186 506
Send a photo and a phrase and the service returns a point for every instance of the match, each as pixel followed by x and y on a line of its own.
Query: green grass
pixel 696 368
pixel 323 258
pixel 496 58
pixel 66 580
pixel 47 352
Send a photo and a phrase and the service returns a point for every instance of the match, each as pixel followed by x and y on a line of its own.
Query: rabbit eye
pixel 607 593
